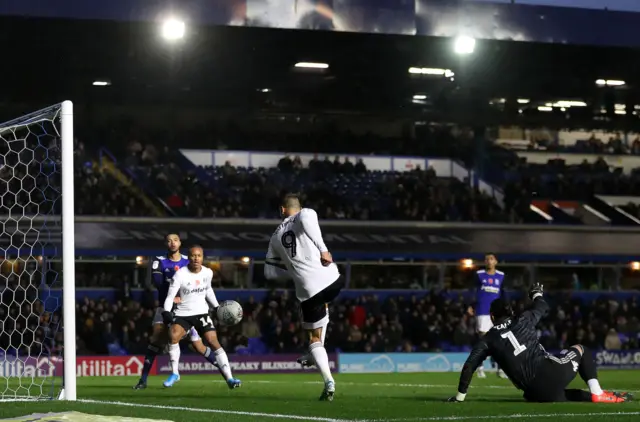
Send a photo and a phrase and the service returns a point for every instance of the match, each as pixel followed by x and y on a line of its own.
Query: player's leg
pixel 315 319
pixel 306 360
pixel 179 328
pixel 199 347
pixel 483 324
pixel 582 360
pixel 158 340
pixel 220 356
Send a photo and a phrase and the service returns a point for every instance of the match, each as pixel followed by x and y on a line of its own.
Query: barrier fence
pixel 346 363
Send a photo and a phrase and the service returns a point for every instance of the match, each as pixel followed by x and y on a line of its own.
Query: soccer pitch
pixel 379 397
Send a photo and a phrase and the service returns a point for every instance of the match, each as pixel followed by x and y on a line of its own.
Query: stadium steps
pixel 110 166
pixel 137 181
pixel 560 216
pixel 616 215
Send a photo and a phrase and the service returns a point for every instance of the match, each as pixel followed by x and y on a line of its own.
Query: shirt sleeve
pixel 155 272
pixel 311 227
pixel 211 298
pixel 174 288
pixel 538 311
pixel 478 355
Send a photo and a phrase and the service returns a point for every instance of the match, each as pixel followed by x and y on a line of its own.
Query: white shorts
pixel 157 319
pixel 483 323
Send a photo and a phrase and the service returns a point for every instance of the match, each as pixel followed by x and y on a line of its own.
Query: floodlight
pixel 610 82
pixel 173 29
pixel 523 101
pixel 101 83
pixel 635 265
pixel 467 263
pixel 419 97
pixel 545 108
pixel 565 103
pixel 312 65
pixel 464 45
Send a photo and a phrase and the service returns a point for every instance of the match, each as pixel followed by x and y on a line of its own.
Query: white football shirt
pixel 195 291
pixel 296 245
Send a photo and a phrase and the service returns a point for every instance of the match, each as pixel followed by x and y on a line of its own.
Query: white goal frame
pixel 69 389
pixel 65 112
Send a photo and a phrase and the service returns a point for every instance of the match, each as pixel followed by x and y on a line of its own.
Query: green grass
pixel 388 397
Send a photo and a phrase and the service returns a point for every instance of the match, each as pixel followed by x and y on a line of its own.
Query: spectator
pixel 612 341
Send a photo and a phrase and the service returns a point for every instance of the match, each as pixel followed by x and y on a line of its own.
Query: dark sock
pixel 149 358
pixel 577 395
pixel 587 368
pixel 493 363
pixel 210 356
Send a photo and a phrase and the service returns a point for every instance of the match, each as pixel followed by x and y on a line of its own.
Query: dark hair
pixel 171 234
pixel 501 309
pixel 492 254
pixel 196 246
pixel 291 200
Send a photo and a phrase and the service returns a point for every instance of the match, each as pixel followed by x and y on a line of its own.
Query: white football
pixel 229 312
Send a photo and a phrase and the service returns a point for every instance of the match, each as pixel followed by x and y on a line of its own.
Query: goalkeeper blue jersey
pixel 162 271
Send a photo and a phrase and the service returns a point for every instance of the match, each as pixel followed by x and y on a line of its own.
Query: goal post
pixel 37 234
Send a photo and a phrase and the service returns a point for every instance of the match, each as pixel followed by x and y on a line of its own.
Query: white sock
pixel 319 354
pixel 223 363
pixel 324 327
pixel 594 387
pixel 174 357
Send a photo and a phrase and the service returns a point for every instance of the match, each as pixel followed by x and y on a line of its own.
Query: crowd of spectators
pixel 30 319
pixel 592 145
pixel 398 324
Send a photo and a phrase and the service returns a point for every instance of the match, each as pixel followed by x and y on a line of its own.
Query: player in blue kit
pixel 163 269
pixel 490 284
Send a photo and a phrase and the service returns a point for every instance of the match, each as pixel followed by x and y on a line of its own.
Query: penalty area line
pixel 499 417
pixel 217 411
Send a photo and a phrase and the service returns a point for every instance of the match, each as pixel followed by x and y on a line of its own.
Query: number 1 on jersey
pixel 288 240
pixel 517 347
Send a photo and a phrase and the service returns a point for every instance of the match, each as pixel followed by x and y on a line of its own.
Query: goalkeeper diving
pixel 543 377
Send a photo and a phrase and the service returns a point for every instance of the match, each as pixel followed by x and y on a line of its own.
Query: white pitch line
pixel 403 385
pixel 218 411
pixel 492 417
pixel 320 419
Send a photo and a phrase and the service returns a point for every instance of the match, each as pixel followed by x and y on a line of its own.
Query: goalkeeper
pixel 513 343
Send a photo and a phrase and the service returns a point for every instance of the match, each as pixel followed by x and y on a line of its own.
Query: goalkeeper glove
pixel 167 317
pixel 536 291
pixel 458 398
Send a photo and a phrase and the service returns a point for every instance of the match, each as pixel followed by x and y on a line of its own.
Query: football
pixel 229 312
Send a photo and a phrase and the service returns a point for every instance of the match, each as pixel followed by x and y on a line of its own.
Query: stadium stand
pixel 428 323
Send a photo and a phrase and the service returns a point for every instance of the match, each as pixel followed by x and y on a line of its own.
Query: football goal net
pixel 37 333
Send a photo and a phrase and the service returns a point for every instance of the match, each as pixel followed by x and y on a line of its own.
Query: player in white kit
pixel 194 284
pixel 297 252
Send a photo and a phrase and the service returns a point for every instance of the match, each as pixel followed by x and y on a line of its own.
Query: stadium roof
pixel 50 60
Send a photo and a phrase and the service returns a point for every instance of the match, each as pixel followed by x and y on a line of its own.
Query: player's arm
pixel 274 269
pixel 311 227
pixel 211 298
pixel 174 288
pixel 155 272
pixel 540 307
pixel 478 355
